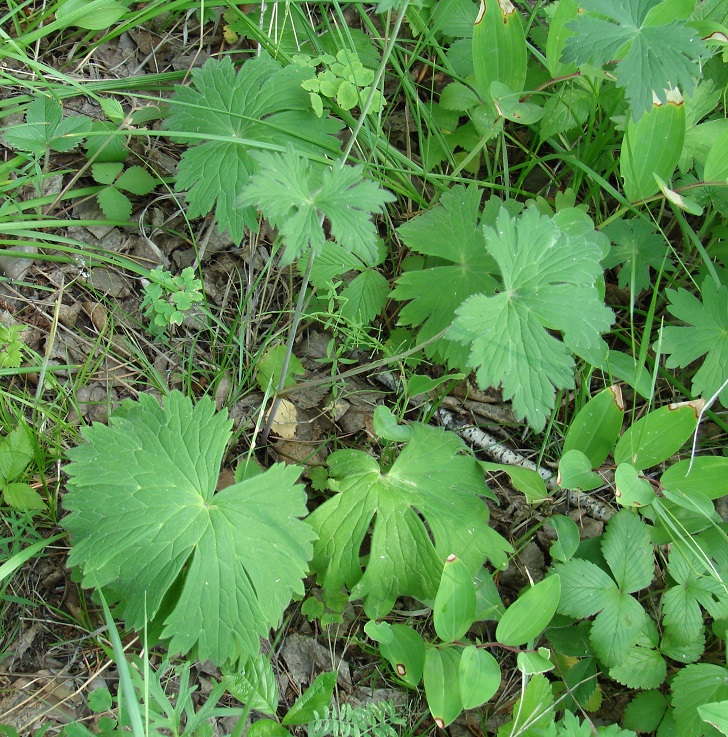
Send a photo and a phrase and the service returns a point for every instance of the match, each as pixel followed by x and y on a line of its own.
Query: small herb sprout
pixel 16 452
pixel 344 79
pixel 11 346
pixel 167 298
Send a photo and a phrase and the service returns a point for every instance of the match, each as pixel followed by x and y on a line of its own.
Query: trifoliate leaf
pixel 451 236
pixel 262 104
pixel 651 58
pixel 705 334
pixel 296 196
pixel 148 527
pixel 636 248
pixel 432 481
pixel 550 280
pixel 45 128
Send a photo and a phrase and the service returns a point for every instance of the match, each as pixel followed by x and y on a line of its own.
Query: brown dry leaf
pixel 286 420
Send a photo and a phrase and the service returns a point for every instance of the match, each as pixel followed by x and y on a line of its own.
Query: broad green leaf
pixel 525 480
pixel 295 196
pixel 534 662
pixel 645 711
pixel 479 676
pixel 628 551
pixel 450 232
pixel 387 427
pixel 454 609
pixel 442 684
pixel 267 728
pixel 596 426
pixel 705 475
pixel 432 479
pixel 636 248
pixel 643 667
pixel 114 204
pixel 262 105
pixel 136 180
pixel 716 165
pixel 16 452
pixel 534 708
pixel 651 147
pixel 565 546
pixel 366 296
pixel 380 632
pixel 488 603
pixel 92 15
pixel 559 31
pixel 651 58
pixel 626 368
pixel 575 472
pixel 715 714
pixel 549 284
pixel 316 698
pixel 617 628
pixel 692 687
pixel 530 614
pixel 45 128
pixel 705 334
pixel 508 104
pixel 254 684
pixel 585 588
pixel 270 366
pixel 22 496
pixel 148 526
pixel 406 652
pixel 632 490
pixel 656 436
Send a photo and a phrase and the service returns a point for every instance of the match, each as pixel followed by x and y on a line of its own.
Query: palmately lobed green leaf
pixel 147 525
pixel 431 480
pixel 550 279
pixel 262 105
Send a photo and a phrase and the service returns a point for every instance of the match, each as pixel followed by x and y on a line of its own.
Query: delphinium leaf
pixel 296 197
pixel 148 526
pixel 433 481
pixel 705 334
pixel 550 276
pixel 45 128
pixel 586 589
pixel 451 236
pixel 262 104
pixel 652 57
pixel 636 248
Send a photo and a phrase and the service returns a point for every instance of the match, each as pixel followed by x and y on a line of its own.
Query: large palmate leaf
pixel 705 334
pixel 296 197
pixel 426 507
pixel 451 236
pixel 655 53
pixel 262 105
pixel 550 269
pixel 147 525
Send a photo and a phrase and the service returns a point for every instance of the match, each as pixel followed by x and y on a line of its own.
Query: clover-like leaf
pixel 427 507
pixel 147 525
pixel 550 269
pixel 262 105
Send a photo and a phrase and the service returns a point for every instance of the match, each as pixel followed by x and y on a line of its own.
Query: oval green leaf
pixel 632 489
pixel 267 728
pixel 442 684
pixel 387 426
pixel 479 675
pixel 406 653
pixel 316 698
pixel 565 546
pixel 575 472
pixel 596 426
pixel 707 477
pixel 454 610
pixel 716 165
pixel 530 663
pixel 529 615
pixel 657 435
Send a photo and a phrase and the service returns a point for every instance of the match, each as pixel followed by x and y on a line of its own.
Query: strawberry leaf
pixel 550 269
pixel 263 104
pixel 705 334
pixel 148 527
pixel 431 480
pixel 296 196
